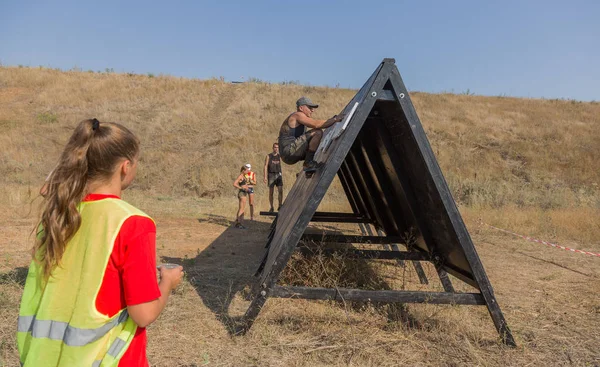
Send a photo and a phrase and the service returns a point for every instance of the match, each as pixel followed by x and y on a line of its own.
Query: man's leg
pixel 271 189
pixel 303 149
pixel 280 196
pixel 314 139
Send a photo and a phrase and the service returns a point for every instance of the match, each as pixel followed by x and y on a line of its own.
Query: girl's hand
pixel 172 276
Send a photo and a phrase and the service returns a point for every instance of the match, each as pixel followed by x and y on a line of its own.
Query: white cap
pixel 247 165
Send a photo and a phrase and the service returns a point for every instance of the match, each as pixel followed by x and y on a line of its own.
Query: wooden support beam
pixel 340 220
pixel 319 214
pixel 331 217
pixel 370 254
pixel 345 294
pixel 350 239
pixel 336 214
pixel 446 283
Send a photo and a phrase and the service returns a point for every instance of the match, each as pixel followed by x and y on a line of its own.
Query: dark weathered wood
pixel 331 217
pixel 391 247
pixel 349 239
pixel 340 220
pixel 319 214
pixel 356 197
pixel 339 294
pixel 417 265
pixel 444 279
pixel 369 254
pixel 335 214
pixel 450 212
pixel 391 178
pixel 386 95
pixel 352 200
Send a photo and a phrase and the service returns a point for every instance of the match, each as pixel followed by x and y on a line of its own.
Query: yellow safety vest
pixel 58 321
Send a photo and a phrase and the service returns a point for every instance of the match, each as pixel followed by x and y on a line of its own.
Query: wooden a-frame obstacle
pixel 392 180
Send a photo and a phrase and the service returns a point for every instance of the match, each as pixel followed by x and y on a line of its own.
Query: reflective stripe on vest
pixel 72 336
pixel 113 351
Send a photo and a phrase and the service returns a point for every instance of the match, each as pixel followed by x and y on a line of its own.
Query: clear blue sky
pixel 524 48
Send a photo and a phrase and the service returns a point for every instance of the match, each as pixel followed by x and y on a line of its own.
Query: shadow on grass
pixel 216 219
pixel 226 267
pixel 17 275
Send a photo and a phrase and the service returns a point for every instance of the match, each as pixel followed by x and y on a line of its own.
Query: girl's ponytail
pixel 91 153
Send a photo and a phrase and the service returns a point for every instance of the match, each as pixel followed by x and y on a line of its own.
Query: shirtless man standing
pixel 295 143
pixel 273 176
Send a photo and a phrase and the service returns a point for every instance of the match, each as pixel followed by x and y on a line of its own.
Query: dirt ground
pixel 549 297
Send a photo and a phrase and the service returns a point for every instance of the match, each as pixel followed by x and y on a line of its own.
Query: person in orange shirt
pixel 251 178
pixel 244 182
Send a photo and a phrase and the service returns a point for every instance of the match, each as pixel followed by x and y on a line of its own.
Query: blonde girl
pixel 91 289
pixel 245 189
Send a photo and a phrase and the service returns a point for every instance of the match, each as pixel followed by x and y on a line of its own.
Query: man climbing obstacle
pixel 295 142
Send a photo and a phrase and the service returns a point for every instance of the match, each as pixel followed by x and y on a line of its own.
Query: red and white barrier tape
pixel 544 242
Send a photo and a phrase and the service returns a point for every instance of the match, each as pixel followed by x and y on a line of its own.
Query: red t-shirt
pixel 130 277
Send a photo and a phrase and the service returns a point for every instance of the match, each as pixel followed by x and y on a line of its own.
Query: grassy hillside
pixel 494 151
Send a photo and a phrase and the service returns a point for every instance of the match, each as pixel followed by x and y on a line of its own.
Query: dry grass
pixel 525 165
pixel 196 134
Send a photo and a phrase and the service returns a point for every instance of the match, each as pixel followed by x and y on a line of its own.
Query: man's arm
pixel 266 167
pixel 317 124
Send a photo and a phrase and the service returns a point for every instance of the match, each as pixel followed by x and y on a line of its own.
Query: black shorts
pixel 275 179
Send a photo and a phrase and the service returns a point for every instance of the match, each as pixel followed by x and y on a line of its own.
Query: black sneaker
pixel 310 166
pixel 272 210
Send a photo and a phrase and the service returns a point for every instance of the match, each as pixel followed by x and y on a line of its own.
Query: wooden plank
pixel 339 294
pixel 444 279
pixel 362 204
pixel 336 214
pixel 369 254
pixel 350 238
pixel 362 188
pixel 319 214
pixel 370 175
pixel 340 220
pixel 332 218
pixel 349 194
